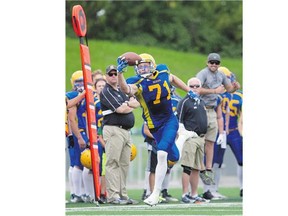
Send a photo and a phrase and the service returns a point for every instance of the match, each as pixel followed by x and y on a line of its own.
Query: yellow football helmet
pixel 226 71
pixel 142 71
pixel 133 152
pixel 170 163
pixel 85 158
pixel 77 80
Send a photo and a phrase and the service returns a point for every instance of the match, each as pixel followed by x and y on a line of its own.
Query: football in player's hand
pixel 132 58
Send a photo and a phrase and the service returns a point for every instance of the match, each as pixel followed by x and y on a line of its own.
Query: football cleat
pixel 168 197
pixel 207 195
pixel 217 196
pixel 77 199
pixel 199 200
pixel 152 200
pixel 186 198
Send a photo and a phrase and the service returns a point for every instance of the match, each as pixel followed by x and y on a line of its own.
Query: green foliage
pixel 198 26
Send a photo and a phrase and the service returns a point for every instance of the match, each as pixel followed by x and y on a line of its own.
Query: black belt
pixel 200 135
pixel 123 127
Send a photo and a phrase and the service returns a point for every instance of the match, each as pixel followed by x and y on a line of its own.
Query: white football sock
pixel 146 182
pixel 217 174
pixel 88 182
pixel 77 181
pixel 160 171
pixel 70 180
pixel 240 175
pixel 166 181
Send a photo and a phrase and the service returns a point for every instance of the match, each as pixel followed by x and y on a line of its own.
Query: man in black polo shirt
pixel 117 121
pixel 193 126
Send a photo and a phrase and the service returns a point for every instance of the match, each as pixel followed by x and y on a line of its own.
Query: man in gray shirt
pixel 213 82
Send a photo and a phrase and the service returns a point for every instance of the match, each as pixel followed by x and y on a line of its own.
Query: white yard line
pixel 160 206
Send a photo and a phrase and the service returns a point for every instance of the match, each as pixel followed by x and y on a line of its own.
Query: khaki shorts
pixel 193 153
pixel 212 128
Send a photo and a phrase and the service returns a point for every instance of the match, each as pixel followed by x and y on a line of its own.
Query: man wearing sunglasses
pixel 118 119
pixel 192 128
pixel 213 82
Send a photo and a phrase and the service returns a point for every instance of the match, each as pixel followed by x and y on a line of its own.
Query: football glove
pixel 194 96
pixel 70 141
pixel 221 140
pixel 122 64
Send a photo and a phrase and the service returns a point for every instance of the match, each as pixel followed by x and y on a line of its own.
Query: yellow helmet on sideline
pixel 85 158
pixel 77 75
pixel 133 152
pixel 170 163
pixel 225 70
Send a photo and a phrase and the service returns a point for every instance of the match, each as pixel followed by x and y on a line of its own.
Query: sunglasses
pixel 111 74
pixel 194 86
pixel 214 62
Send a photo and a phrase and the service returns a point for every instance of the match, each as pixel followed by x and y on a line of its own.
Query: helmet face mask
pixel 146 66
pixel 78 85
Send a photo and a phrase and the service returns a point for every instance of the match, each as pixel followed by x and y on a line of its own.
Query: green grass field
pixel 230 206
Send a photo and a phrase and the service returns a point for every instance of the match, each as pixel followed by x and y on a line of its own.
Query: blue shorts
pixel 165 138
pixel 77 150
pixel 100 152
pixel 235 141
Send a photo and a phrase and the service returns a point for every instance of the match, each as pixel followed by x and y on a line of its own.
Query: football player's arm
pixel 74 126
pixel 147 131
pixel 76 100
pixel 220 121
pixel 101 140
pixel 178 83
pixel 227 120
pixel 240 124
pixel 129 89
pixel 231 87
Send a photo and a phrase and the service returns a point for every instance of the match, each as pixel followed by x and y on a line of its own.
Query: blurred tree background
pixel 187 26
